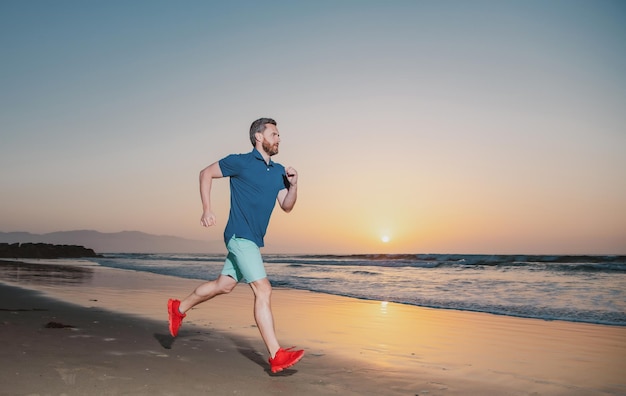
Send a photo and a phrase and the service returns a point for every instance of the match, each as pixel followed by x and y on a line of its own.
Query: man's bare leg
pixel 263 314
pixel 206 291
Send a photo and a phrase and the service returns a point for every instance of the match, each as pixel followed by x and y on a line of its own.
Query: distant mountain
pixel 117 242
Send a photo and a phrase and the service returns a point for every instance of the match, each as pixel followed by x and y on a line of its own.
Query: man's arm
pixel 207 175
pixel 287 197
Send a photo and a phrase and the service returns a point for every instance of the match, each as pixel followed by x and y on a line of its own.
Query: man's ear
pixel 258 136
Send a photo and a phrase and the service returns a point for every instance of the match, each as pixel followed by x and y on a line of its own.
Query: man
pixel 256 182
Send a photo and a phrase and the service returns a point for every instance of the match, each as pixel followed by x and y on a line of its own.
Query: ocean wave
pixel 365 273
pixel 158 257
pixel 548 262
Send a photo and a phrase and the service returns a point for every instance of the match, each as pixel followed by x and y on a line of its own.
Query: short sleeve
pixel 230 165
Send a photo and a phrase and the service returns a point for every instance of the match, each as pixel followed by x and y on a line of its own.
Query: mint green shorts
pixel 244 261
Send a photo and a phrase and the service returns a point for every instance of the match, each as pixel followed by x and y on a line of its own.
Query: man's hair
pixel 258 126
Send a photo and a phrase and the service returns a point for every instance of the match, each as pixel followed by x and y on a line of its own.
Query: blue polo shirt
pixel 254 186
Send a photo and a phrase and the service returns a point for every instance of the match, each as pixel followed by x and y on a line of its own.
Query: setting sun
pixel 385 238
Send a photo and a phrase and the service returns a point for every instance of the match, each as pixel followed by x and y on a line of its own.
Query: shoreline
pixel 352 346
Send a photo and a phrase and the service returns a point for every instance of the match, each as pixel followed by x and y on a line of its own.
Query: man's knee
pixel 262 288
pixel 225 284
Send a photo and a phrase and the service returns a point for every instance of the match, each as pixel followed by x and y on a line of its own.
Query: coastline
pixel 119 342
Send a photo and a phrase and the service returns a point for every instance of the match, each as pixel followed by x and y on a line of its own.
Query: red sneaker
pixel 285 358
pixel 176 318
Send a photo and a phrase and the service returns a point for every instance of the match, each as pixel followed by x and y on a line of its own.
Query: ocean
pixel 588 289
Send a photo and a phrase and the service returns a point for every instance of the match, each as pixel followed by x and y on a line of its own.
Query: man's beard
pixel 269 149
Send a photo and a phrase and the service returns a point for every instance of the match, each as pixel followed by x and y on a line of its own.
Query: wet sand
pixel 73 328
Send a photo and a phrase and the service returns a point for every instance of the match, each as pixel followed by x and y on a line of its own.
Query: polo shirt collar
pixel 259 156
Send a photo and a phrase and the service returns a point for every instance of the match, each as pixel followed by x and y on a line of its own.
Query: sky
pixel 488 127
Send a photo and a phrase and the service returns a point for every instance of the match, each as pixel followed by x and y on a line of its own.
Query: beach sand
pixel 73 328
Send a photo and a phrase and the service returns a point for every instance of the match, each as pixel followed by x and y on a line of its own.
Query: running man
pixel 256 182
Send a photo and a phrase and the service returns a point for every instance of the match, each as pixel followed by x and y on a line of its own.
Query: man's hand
pixel 287 196
pixel 208 219
pixel 292 175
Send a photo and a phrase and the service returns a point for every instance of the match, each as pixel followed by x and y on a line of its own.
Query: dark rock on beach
pixel 44 251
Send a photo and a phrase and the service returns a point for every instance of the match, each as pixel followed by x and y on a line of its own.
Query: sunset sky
pixel 442 126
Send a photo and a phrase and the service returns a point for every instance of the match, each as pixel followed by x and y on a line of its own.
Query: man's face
pixel 271 139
